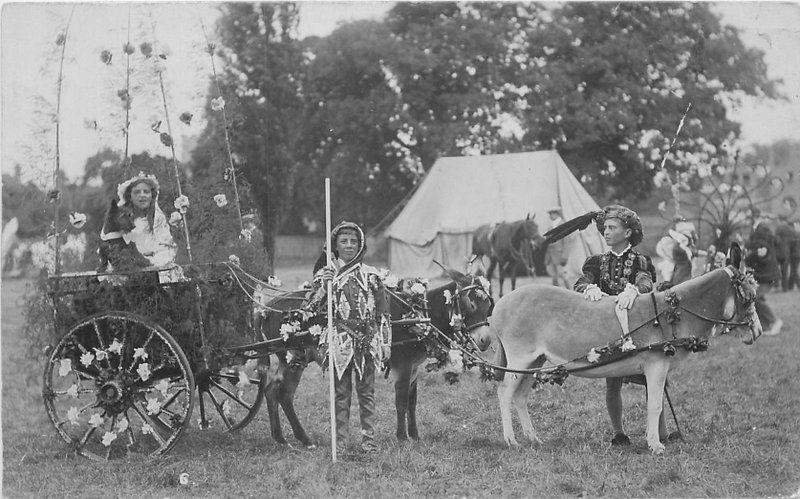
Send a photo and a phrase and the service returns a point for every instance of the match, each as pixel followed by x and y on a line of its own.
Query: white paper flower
pixel 64 367
pixel 244 380
pixel 628 345
pixel 109 437
pixel 485 284
pixel 456 358
pixel 77 220
pixel 456 321
pixel 96 420
pixel 87 358
pixel 183 479
pixel 146 429
pixel 144 371
pixel 418 288
pixel 251 364
pixel 274 281
pixel 662 206
pixel 72 391
pixel 72 415
pixel 247 235
pixel 304 285
pixel 115 347
pixel 181 203
pixel 175 218
pixel 234 260
pixel 448 296
pixel 391 281
pixel 122 425
pixel 163 386
pixel 153 407
pixel 723 188
pixel 139 353
pixel 315 330
pixel 218 104
pixel 290 355
pixel 286 330
pixel 221 200
pixel 100 354
pixel 593 356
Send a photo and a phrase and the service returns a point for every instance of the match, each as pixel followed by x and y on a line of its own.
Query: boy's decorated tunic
pixel 611 272
pixel 361 316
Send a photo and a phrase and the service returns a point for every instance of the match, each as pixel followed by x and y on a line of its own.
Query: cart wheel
pixel 118 384
pixel 230 396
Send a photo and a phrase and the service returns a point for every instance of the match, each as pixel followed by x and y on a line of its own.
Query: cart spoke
pixel 232 395
pixel 220 409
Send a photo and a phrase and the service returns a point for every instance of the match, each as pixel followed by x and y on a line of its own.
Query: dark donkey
pixel 455 310
pixel 510 247
pixel 283 376
pixel 468 301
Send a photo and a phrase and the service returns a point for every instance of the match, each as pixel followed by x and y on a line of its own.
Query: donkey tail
pixel 499 360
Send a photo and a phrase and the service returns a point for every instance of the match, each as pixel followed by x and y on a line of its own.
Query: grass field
pixel 739 409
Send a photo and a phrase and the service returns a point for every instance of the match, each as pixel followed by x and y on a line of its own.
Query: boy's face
pixel 346 244
pixel 615 232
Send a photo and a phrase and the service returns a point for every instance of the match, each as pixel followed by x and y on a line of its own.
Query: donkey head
pixel 744 296
pixel 473 301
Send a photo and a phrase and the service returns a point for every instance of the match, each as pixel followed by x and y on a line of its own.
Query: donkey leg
pixel 286 397
pixel 412 408
pixel 271 397
pixel 501 277
pixel 521 405
pixel 656 375
pixel 402 380
pixel 505 392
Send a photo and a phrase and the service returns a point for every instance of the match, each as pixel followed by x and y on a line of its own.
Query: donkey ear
pixel 458 277
pixel 735 255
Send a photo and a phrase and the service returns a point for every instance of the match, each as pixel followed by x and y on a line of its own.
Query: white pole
pixel 331 374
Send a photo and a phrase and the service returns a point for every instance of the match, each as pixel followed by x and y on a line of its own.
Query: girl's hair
pixel 128 208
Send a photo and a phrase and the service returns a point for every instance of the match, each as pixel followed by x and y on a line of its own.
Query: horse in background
pixel 538 324
pixel 510 247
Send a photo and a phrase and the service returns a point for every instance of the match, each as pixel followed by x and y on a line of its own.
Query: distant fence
pixel 296 249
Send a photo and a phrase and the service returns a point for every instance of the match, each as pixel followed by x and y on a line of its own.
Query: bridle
pixel 453 309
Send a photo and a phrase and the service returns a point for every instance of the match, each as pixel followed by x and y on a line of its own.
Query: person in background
pixel 362 337
pixel 624 272
pixel 557 253
pixel 762 258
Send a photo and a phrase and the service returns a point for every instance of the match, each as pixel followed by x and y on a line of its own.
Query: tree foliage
pixel 261 84
pixel 375 103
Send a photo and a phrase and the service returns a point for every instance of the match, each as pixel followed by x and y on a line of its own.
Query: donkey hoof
pixel 512 443
pixel 656 447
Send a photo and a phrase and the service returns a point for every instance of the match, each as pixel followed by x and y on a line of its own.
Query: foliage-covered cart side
pixel 133 349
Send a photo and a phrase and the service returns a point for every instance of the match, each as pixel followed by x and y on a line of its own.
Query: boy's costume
pixel 625 274
pixel 362 332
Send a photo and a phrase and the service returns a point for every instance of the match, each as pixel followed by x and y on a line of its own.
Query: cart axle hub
pixel 110 393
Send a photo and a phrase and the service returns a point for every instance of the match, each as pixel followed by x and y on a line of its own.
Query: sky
pixel 28 63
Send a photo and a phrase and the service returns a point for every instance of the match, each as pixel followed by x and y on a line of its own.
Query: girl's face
pixel 347 244
pixel 141 196
pixel 615 232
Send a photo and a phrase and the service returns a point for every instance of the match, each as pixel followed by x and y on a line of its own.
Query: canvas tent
pixel 461 193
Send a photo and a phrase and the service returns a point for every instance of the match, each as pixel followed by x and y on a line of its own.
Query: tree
pixel 262 94
pixel 610 82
